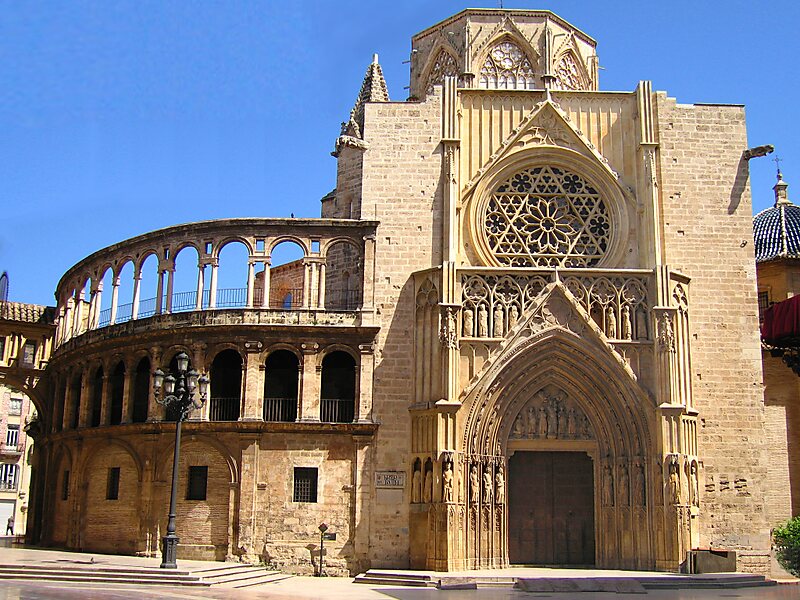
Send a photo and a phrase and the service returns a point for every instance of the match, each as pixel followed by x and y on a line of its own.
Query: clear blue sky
pixel 117 118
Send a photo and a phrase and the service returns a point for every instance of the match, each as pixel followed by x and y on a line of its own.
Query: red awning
pixel 781 325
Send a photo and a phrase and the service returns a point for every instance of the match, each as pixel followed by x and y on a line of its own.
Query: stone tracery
pixel 507 67
pixel 547 217
pixel 443 66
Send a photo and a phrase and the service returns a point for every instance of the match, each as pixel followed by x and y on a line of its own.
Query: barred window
pixel 12 435
pixel 198 483
pixel 28 353
pixel 305 484
pixel 112 484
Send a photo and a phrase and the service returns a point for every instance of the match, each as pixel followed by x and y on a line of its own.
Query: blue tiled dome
pixel 777 230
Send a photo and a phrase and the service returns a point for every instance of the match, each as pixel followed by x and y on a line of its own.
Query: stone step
pixel 707 581
pixel 96 568
pixel 264 580
pixel 99 578
pixel 238 575
pixel 395 579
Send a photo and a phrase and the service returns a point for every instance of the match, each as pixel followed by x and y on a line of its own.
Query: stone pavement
pixel 328 588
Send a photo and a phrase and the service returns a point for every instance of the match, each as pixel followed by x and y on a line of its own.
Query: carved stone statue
pixel 469 325
pixel 666 335
pixel 416 485
pixel 447 483
pixel 541 427
pixel 694 482
pixel 552 420
pixel 561 412
pixel 608 485
pixel 427 491
pixel 638 484
pixel 487 484
pixel 483 322
pixel 674 484
pixel 572 426
pixel 500 485
pixel 627 333
pixel 497 322
pixel 513 316
pixel 623 485
pixel 611 323
pixel 474 491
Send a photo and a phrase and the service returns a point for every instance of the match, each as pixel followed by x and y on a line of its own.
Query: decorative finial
pixel 778 160
pixel 781 187
pixel 375 59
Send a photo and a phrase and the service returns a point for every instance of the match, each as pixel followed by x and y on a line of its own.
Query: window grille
pixel 198 483
pixel 112 484
pixel 12 435
pixel 8 476
pixel 305 484
pixel 2 348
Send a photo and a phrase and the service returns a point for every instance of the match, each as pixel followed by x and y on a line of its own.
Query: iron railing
pixel 337 410
pixel 280 409
pixel 343 299
pixel 224 409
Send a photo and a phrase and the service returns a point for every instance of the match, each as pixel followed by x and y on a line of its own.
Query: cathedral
pixel 523 331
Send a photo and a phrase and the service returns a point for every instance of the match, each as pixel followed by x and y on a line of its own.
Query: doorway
pixel 551 508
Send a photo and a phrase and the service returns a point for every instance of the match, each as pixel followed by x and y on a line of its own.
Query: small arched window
pixel 568 76
pixel 444 66
pixel 117 387
pixel 141 391
pixel 337 402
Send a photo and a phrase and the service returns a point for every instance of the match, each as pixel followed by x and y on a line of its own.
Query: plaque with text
pixel 390 479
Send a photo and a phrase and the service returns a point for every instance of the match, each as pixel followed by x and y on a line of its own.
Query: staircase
pixel 224 575
pixel 632 583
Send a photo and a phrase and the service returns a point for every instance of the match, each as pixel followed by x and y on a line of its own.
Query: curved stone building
pixel 523 331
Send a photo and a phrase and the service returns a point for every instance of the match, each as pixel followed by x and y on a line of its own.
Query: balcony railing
pixel 224 409
pixel 337 410
pixel 12 449
pixel 8 486
pixel 280 409
pixel 343 300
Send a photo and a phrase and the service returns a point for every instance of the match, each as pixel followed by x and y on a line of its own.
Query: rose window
pixel 507 68
pixel 547 217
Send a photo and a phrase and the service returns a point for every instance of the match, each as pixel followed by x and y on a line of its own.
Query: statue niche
pixel 551 414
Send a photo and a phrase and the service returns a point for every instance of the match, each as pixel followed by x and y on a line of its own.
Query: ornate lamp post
pixel 179 394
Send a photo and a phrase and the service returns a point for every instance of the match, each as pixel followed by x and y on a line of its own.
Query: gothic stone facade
pixel 554 355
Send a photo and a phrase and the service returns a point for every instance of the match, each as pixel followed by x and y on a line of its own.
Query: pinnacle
pixel 373 89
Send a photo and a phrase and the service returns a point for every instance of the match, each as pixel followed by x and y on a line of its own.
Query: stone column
pixel 127 387
pixel 251 271
pixel 310 384
pixel 114 299
pixel 321 294
pixel 66 415
pixel 96 305
pixel 83 412
pixel 170 284
pixel 77 327
pixel 105 404
pixel 307 274
pixel 368 282
pixel 198 363
pixel 160 291
pixel 212 302
pixel 265 297
pixel 155 411
pixel 363 412
pixel 201 268
pixel 252 399
pixel 137 284
pixel 69 318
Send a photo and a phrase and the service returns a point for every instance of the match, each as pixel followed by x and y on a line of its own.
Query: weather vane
pixel 778 160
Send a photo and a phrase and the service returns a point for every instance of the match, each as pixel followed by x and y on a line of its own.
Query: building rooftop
pixel 777 229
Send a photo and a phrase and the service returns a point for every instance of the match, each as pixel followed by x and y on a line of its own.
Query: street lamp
pixel 179 395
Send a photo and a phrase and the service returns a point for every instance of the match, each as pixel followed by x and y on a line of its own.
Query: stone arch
pixel 344 274
pixel 205 525
pixel 232 239
pixel 623 424
pixel 619 204
pixel 60 515
pixel 100 507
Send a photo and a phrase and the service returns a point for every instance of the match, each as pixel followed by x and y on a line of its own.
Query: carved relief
pixel 623 485
pixel 474 489
pixel 416 483
pixel 666 333
pixel 551 414
pixel 487 485
pixel 674 483
pixel 448 335
pixel 447 482
pixel 608 484
pixel 500 485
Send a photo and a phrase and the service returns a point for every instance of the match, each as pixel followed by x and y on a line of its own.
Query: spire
pixel 373 89
pixel 780 189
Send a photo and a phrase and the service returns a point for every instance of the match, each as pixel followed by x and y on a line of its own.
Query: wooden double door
pixel 551 508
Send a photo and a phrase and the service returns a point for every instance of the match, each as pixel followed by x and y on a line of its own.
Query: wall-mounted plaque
pixel 390 479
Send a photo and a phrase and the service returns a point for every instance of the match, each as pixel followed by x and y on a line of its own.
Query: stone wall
pixel 707 235
pixel 402 169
